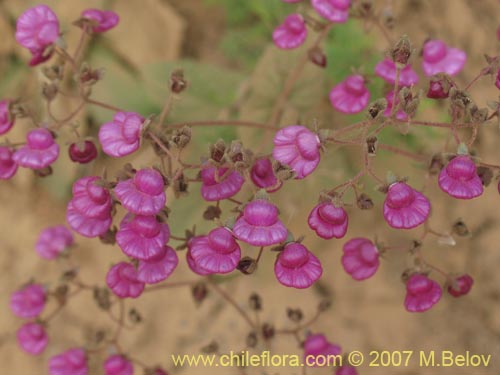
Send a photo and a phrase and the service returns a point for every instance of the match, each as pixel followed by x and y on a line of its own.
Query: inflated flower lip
pixel 122 135
pixel 219 183
pixel 291 33
pixel 262 175
pixel 6 121
pixel 421 293
pixel 118 365
pixel 91 199
pixel 299 148
pixel 105 19
pixel 159 267
pixel 82 152
pixel 53 241
pixel 459 178
pixel 317 345
pixel 32 338
pixel 144 194
pixel 72 361
pixel 297 267
pixel 8 166
pixel 39 152
pixel 328 221
pixel 123 280
pixel 218 252
pixel 142 237
pixel 28 302
pixel 259 224
pixel 351 95
pixel 195 267
pixel 333 10
pixel 360 258
pixel 404 207
pixel 386 69
pixel 439 58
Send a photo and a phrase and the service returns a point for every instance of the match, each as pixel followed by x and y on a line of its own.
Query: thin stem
pixel 104 105
pixel 170 285
pixel 402 152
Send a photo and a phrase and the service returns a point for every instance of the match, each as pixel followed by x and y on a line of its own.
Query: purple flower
pixel 6 120
pixel 262 175
pixel 351 95
pixel 28 302
pixel 36 29
pixel 53 241
pixel 299 148
pixel 328 221
pixel 105 19
pixel 217 252
pixel 195 267
pixel 459 178
pixel 118 365
pixel 439 58
pixel 317 346
pixel 360 259
pixel 32 338
pixel 73 361
pixel 346 370
pixel 291 33
pixel 144 194
pixel 39 152
pixel 297 267
pixel 121 136
pixel 386 69
pixel 123 280
pixel 158 267
pixel 8 166
pixel 82 152
pixel 461 286
pixel 219 183
pixel 404 207
pixel 89 212
pixel 142 237
pixel 333 10
pixel 259 224
pixel 421 293
pixel 400 114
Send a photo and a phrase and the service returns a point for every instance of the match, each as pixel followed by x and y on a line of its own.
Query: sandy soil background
pixel 364 316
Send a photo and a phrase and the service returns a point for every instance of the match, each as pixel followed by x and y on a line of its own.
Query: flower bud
pixel 181 137
pixel 177 82
pixel 255 302
pixel 199 292
pixel 268 331
pixel 212 212
pixel 247 265
pixel 460 228
pixel 485 174
pixel 439 86
pixel 295 315
pixel 317 56
pixel 364 202
pixel 377 108
pixel 401 52
pixel 217 151
pixel 102 298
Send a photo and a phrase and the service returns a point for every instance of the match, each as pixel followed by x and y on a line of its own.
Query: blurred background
pixel 235 73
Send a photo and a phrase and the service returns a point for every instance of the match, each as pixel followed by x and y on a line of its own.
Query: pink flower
pixel 297 267
pixel 123 280
pixel 118 365
pixel 32 338
pixel 400 115
pixel 73 361
pixel 195 267
pixel 333 10
pixel 291 33
pixel 328 221
pixel 360 259
pixel 317 348
pixel 218 184
pixel 259 224
pixel 142 237
pixel 82 152
pixel 105 19
pixel 299 148
pixel 6 120
pixel 36 29
pixel 351 95
pixel 439 58
pixel 461 286
pixel 439 86
pixel 121 136
pixel 158 267
pixel 8 166
pixel 262 175
pixel 28 302
pixel 39 152
pixel 144 194
pixel 386 69
pixel 53 241
pixel 217 252
pixel 404 207
pixel 459 178
pixel 421 293
pixel 89 212
pixel 346 370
